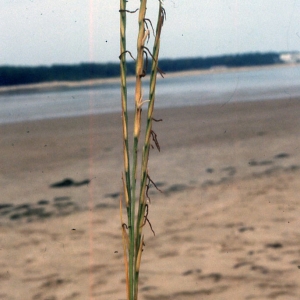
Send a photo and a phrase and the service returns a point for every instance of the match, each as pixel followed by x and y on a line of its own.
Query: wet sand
pixel 226 224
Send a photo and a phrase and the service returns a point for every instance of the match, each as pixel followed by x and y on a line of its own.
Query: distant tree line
pixel 230 61
pixel 15 75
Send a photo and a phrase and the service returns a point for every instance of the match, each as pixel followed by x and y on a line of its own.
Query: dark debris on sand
pixel 68 182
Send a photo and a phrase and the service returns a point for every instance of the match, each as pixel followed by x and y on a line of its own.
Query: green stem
pixel 124 95
pixel 126 159
pixel 146 148
pixel 137 128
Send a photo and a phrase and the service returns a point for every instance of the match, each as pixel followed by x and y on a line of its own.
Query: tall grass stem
pixel 132 235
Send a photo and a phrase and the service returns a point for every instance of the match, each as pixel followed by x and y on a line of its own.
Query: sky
pixel 46 32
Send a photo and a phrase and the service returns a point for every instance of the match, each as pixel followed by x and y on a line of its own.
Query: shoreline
pixel 159 109
pixel 92 83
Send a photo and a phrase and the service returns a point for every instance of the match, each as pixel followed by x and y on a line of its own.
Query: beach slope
pixel 226 225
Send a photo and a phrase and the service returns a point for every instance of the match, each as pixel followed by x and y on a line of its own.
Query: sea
pixel 218 86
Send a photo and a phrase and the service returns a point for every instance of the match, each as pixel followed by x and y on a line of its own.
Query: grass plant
pixel 136 198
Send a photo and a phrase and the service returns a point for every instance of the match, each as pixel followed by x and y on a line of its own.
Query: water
pixel 215 87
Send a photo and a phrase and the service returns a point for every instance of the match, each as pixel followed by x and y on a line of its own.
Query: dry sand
pixel 227 224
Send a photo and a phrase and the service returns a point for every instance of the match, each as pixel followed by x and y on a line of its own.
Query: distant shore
pixel 66 85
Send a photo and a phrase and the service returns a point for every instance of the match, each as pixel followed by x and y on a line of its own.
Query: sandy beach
pixel 226 225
